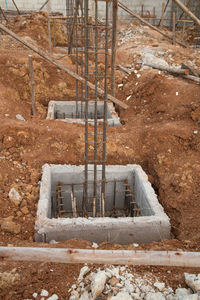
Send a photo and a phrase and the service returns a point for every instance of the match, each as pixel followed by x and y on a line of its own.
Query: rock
pixel 98 284
pixel 121 296
pixel 53 297
pixel 182 292
pixel 19 117
pixel 25 210
pixel 159 285
pixel 44 293
pixel 35 295
pixel 15 196
pixel 114 281
pixel 83 272
pixel 193 281
pixel 10 226
pixel 95 245
pixel 7 279
pixel 154 296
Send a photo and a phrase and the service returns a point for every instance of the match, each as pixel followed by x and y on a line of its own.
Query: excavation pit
pixel 143 222
pixel 73 112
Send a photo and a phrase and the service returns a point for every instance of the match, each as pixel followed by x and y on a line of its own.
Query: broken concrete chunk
pixel 114 281
pixel 83 272
pixel 149 59
pixel 53 297
pixel 155 296
pixel 98 284
pixel 189 297
pixel 193 281
pixel 159 285
pixel 182 292
pixel 121 296
pixel 85 296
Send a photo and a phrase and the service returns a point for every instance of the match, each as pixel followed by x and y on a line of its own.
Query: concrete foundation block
pixel 73 112
pixel 153 225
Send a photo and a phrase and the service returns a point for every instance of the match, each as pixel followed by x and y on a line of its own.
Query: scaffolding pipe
pixel 60 66
pixel 187 11
pixel 114 257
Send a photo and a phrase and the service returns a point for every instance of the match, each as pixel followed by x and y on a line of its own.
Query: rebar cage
pixel 91 46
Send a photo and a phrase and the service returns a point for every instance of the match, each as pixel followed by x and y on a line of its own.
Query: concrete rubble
pixel 121 283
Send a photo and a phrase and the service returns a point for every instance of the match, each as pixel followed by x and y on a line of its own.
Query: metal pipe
pixel 105 105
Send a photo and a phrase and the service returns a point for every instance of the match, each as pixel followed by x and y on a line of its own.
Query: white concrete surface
pixel 153 226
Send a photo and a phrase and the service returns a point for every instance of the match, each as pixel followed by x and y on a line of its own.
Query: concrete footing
pixel 153 225
pixel 73 112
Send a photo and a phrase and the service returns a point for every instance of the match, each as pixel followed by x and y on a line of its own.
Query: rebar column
pixel 85 200
pixel 95 111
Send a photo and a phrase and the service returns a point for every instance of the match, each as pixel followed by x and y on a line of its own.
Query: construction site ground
pixel 160 131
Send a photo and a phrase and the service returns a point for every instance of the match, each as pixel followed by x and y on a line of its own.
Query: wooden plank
pixel 115 257
pixel 147 23
pixel 174 28
pixel 61 67
pixel 32 84
pixel 187 11
pixel 163 14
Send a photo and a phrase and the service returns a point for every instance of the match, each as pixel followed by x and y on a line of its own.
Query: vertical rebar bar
pixel 114 42
pixel 96 98
pixel 77 63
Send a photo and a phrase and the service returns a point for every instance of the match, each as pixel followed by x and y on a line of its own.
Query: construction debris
pixel 117 283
